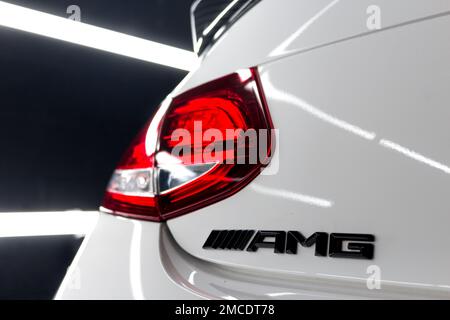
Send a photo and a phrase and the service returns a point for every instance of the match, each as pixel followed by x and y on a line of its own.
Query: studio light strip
pixel 20 18
pixel 26 224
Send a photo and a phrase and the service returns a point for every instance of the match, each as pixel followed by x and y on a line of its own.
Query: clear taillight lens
pixel 201 146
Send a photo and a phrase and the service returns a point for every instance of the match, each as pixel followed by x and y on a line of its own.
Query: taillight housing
pixel 200 147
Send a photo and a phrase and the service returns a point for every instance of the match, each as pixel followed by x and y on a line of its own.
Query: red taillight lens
pixel 201 146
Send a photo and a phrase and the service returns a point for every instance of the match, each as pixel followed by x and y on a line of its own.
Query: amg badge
pixel 336 245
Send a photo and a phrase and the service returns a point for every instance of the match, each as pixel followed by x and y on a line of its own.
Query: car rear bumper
pixel 131 259
pixel 121 259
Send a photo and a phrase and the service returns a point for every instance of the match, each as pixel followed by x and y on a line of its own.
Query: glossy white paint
pixel 363 120
pixel 144 262
pixel 366 131
pixel 261 34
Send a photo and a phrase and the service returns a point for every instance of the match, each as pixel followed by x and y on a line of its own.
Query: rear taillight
pixel 200 147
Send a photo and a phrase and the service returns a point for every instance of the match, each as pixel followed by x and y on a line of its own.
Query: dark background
pixel 68 112
pixel 66 115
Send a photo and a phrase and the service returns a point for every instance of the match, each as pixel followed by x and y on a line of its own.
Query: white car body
pixel 363 119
